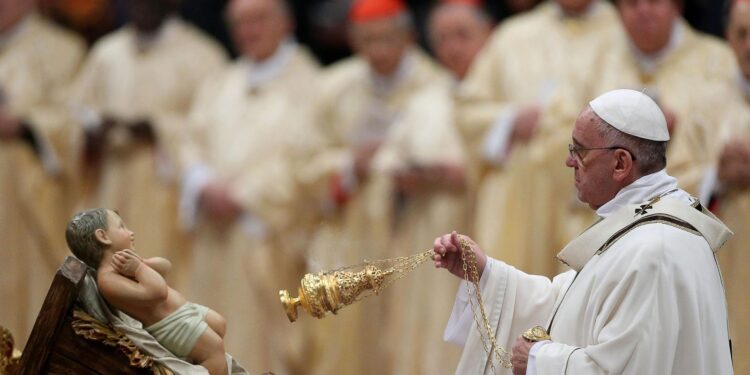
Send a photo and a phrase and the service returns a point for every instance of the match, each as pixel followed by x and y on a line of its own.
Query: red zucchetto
pixel 370 10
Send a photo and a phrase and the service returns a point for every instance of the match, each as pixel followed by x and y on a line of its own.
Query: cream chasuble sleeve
pixel 515 301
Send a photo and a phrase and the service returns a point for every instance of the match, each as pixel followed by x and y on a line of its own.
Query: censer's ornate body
pixel 322 292
pixel 329 291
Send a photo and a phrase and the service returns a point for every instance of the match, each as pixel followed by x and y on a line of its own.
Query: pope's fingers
pixel 437 246
pixel 446 243
pixel 455 239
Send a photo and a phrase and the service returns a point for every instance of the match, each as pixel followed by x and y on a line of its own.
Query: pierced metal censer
pixel 330 291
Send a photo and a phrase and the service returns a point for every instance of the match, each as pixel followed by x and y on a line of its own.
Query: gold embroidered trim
pixel 651 219
pixel 9 355
pixel 91 329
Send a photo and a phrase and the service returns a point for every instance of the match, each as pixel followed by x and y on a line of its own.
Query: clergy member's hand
pixel 218 204
pixel 671 118
pixel 526 124
pixel 733 162
pixel 411 182
pixel 452 177
pixel 448 253
pixel 520 357
pixel 10 126
pixel 363 157
pixel 419 180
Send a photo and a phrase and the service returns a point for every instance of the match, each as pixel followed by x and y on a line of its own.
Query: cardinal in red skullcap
pixel 369 10
pixel 363 98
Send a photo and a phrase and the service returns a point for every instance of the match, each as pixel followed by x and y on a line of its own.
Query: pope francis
pixel 644 294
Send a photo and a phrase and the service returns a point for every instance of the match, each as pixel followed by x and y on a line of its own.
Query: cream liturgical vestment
pixel 644 295
pixel 155 80
pixel 733 207
pixel 37 62
pixel 246 129
pixel 356 108
pixel 541 58
pixel 677 78
pixel 424 136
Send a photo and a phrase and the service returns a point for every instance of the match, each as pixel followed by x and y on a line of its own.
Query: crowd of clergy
pixel 247 174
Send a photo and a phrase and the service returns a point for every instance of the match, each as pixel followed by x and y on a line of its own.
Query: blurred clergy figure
pixel 665 58
pixel 240 193
pixel 132 98
pixel 516 108
pixel 361 100
pixel 37 63
pixel 726 185
pixel 424 157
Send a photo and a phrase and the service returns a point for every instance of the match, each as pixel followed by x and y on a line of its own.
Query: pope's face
pixel 258 27
pixel 382 43
pixel 738 34
pixel 593 169
pixel 457 35
pixel 649 22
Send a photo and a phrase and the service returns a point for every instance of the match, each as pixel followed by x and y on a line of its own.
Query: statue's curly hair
pixel 81 238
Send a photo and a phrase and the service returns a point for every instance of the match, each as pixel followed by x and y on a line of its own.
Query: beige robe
pixel 36 67
pixel 158 84
pixel 353 109
pixel 424 136
pixel 250 140
pixel 681 81
pixel 541 58
pixel 734 210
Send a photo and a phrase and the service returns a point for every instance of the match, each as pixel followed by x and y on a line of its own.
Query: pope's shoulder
pixel 658 244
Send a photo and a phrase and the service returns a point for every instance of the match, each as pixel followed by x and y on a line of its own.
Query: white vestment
pixel 647 301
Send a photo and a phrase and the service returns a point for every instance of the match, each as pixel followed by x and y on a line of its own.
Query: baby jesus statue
pixel 138 287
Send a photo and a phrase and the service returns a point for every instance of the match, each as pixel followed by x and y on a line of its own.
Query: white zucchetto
pixel 632 112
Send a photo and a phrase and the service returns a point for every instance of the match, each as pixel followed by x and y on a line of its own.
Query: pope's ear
pixel 101 236
pixel 625 164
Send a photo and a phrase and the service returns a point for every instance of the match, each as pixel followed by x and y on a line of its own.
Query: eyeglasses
pixel 575 151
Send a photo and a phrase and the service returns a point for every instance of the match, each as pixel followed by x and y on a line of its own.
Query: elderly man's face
pixel 382 43
pixel 738 34
pixel 649 22
pixel 148 15
pixel 258 27
pixel 593 169
pixel 11 11
pixel 457 33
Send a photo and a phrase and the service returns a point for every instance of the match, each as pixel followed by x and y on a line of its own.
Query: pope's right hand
pixel 448 253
